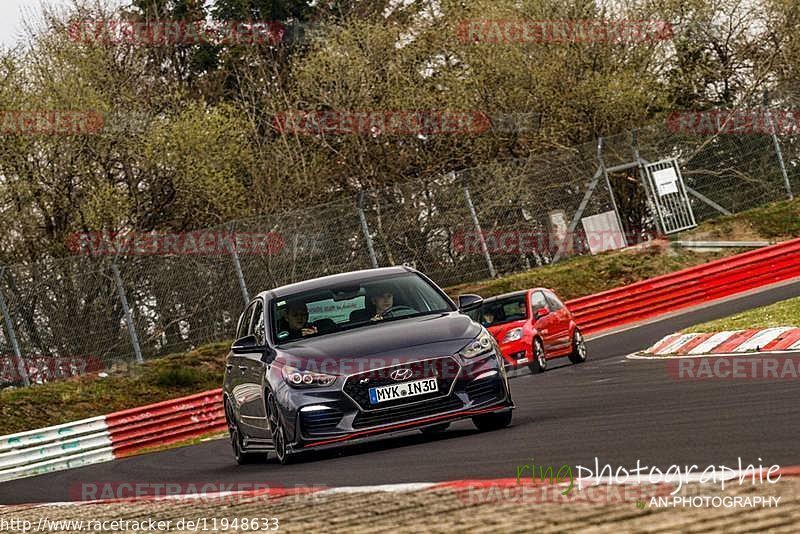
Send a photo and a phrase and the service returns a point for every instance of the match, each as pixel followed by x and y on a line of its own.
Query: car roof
pixel 515 294
pixel 335 279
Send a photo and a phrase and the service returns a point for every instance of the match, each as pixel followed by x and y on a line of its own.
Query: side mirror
pixel 469 301
pixel 541 312
pixel 269 355
pixel 246 344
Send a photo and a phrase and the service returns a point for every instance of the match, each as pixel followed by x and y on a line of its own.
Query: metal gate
pixel 668 193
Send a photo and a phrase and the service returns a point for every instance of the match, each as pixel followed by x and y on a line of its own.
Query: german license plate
pixel 403 390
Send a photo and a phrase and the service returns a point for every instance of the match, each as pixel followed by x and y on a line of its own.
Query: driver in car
pixel 297 320
pixel 383 300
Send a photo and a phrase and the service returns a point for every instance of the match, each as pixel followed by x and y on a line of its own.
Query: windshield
pixel 501 311
pixel 323 311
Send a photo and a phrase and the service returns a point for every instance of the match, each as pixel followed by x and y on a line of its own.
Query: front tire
pixel 241 457
pixel 492 421
pixel 578 354
pixel 539 363
pixel 278 433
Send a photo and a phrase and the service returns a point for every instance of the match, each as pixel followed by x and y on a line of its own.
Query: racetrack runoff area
pixel 502 506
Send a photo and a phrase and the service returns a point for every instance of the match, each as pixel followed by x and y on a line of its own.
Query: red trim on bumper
pixel 403 425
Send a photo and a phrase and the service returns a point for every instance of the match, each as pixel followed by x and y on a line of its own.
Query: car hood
pixel 402 340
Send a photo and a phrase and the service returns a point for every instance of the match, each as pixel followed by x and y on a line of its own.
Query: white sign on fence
pixel 666 181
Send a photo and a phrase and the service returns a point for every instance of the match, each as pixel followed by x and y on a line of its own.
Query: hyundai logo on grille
pixel 401 374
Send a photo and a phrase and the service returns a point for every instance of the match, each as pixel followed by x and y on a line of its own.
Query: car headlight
pixel 513 335
pixel 300 378
pixel 483 344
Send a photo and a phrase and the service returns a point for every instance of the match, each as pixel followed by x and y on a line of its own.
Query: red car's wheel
pixel 539 363
pixel 578 354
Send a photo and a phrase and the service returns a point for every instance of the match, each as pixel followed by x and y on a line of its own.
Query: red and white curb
pixel 773 340
pixel 453 485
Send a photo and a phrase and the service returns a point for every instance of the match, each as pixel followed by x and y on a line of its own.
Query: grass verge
pixel 586 275
pixel 156 380
pixel 783 313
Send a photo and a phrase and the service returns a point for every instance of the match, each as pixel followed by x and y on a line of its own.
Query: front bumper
pixel 330 417
pixel 516 353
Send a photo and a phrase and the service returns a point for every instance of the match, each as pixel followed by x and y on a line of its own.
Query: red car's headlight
pixel 515 334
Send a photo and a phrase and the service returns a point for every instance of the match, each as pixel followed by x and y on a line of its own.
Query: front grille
pixel 483 390
pixel 404 413
pixel 320 421
pixel 444 369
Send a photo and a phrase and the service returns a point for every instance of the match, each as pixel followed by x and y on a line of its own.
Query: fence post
pixel 477 224
pixel 238 266
pixel 365 228
pixel 608 184
pixel 778 151
pixel 643 180
pixel 12 337
pixel 128 317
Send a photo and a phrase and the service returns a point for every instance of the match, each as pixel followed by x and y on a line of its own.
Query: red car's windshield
pixel 502 311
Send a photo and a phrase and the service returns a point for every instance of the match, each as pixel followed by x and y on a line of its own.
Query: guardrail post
pixel 365 228
pixel 237 265
pixel 778 151
pixel 477 224
pixel 12 337
pixel 128 317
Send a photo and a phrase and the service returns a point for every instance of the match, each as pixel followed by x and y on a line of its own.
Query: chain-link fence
pixel 91 312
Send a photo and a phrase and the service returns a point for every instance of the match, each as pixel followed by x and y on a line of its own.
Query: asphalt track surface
pixel 610 408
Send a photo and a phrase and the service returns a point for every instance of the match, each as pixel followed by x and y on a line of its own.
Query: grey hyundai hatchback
pixel 347 357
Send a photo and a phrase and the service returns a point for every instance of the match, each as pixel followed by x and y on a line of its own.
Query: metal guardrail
pixel 688 287
pixel 55 448
pixel 166 422
pixel 107 437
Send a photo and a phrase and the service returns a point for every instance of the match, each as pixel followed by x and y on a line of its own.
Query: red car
pixel 532 327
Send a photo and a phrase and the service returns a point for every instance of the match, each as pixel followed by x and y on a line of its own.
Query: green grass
pixel 586 275
pixel 784 313
pixel 774 222
pixel 156 380
pixel 185 443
